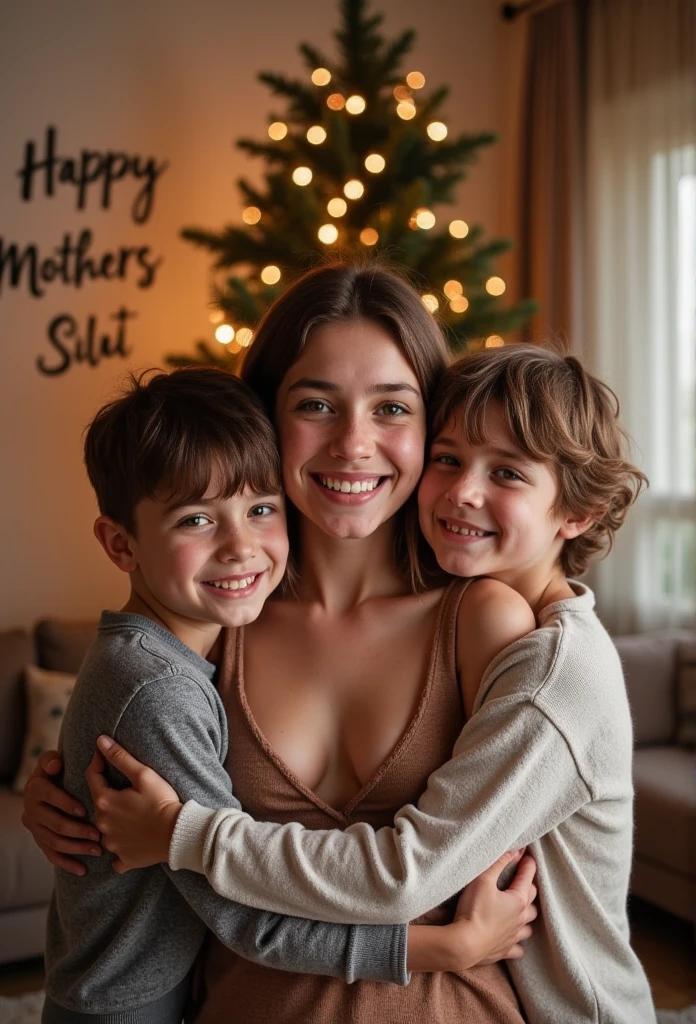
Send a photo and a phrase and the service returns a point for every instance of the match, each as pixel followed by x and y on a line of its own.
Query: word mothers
pixel 92 167
pixel 93 175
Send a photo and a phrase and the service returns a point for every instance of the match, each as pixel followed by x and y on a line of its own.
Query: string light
pixel 495 286
pixel 430 302
pixel 401 92
pixel 494 341
pixel 425 219
pixel 316 134
pixel 453 288
pixel 302 175
pixel 368 236
pixel 335 101
pixel 321 76
pixel 415 79
pixel 328 233
pixel 337 207
pixel 375 163
pixel 437 131
pixel 459 304
pixel 355 104
pixel 459 228
pixel 277 130
pixel 224 334
pixel 245 336
pixel 406 110
pixel 270 274
pixel 251 215
pixel 217 316
pixel 353 189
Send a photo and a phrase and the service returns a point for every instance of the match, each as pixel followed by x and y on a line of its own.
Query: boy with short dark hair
pixel 526 481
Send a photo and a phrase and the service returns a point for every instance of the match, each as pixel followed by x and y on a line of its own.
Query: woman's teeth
pixel 346 487
pixel 464 531
pixel 232 584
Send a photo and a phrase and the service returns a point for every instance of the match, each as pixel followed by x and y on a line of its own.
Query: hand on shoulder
pixel 491 617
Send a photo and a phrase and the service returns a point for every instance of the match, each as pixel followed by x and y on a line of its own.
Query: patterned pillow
pixel 48 694
pixel 686 694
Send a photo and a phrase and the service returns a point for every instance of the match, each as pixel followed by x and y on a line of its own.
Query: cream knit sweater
pixel 544 761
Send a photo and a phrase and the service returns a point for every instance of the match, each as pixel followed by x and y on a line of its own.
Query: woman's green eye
pixel 392 409
pixel 313 405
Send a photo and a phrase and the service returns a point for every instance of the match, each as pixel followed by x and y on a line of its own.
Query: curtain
pixel 640 290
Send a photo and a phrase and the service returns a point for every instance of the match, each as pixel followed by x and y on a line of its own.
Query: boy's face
pixel 488 509
pixel 212 561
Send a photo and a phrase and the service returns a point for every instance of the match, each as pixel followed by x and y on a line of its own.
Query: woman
pixel 342 698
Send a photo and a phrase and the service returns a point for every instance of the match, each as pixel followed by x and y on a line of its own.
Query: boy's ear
pixel 574 526
pixel 116 541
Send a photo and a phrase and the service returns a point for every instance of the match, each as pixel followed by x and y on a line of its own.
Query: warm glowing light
pixel 337 207
pixel 217 316
pixel 368 236
pixel 270 274
pixel 452 289
pixel 353 189
pixel 316 134
pixel 406 110
pixel 459 228
pixel 335 101
pixel 245 336
pixel 430 302
pixel 321 76
pixel 425 219
pixel 355 104
pixel 415 79
pixel 459 304
pixel 375 163
pixel 495 286
pixel 437 131
pixel 402 92
pixel 224 334
pixel 327 233
pixel 251 215
pixel 302 175
pixel 277 130
pixel 494 341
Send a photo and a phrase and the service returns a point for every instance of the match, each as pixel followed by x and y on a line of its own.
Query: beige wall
pixel 175 81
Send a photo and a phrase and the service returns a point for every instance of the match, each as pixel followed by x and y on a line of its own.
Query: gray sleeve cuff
pixel 187 848
pixel 378 953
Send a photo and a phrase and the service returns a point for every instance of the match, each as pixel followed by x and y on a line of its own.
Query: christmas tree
pixel 357 163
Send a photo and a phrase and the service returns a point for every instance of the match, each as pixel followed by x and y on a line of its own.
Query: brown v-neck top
pixel 252 994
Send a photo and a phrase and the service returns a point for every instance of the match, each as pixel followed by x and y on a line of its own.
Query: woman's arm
pixel 56 819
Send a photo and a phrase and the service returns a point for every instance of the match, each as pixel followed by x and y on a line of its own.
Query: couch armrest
pixel 61 645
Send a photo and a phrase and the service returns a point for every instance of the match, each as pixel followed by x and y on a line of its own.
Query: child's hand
pixel 136 823
pixel 499 920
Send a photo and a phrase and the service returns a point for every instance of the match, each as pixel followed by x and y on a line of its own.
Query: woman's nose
pixel 352 439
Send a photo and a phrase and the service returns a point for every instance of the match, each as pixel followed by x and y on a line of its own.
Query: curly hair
pixel 557 413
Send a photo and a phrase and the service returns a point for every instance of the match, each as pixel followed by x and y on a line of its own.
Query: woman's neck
pixel 340 574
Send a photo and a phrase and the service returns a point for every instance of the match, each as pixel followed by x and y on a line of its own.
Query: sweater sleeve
pixel 512 778
pixel 184 746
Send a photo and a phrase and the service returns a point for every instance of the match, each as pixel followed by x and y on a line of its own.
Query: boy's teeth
pixel 233 584
pixel 346 487
pixel 463 530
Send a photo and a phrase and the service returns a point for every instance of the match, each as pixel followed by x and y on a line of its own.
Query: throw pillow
pixel 48 694
pixel 686 694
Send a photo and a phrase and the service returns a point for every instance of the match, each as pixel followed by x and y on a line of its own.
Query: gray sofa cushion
pixel 26 877
pixel 649 663
pixel 16 651
pixel 665 785
pixel 61 646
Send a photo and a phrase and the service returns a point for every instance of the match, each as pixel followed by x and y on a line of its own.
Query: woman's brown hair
pixel 557 413
pixel 341 293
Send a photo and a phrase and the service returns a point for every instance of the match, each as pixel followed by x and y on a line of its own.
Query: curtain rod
pixel 509 12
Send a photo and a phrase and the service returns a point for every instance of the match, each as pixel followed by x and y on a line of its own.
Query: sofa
pixel 665 845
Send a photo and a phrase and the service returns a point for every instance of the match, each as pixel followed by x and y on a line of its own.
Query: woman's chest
pixel 333 698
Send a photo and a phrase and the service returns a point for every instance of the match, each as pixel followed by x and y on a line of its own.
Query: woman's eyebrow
pixel 392 388
pixel 313 383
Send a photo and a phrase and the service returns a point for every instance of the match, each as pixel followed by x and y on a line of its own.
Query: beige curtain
pixel 550 249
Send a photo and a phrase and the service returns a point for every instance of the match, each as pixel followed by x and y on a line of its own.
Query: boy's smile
pixel 489 509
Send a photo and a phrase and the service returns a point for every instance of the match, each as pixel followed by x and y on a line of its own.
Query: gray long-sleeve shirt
pixel 120 946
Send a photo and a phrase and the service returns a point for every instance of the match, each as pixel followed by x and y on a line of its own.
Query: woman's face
pixel 351 423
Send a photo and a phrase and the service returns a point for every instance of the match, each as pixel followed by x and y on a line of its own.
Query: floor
pixel 664 943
